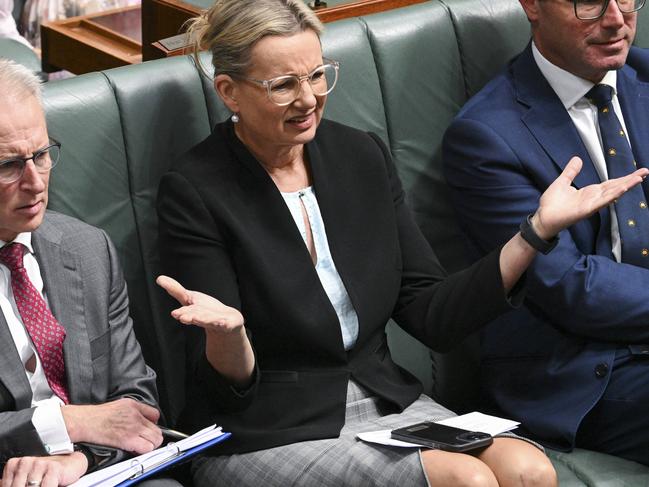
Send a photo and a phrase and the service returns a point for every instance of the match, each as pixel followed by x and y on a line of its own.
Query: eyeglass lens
pixel 286 89
pixel 12 169
pixel 593 9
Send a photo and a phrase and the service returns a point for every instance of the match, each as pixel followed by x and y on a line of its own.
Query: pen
pixel 172 434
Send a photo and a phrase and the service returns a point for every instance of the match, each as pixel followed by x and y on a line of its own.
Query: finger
pixel 152 434
pixel 571 170
pixel 51 476
pixel 23 468
pixel 149 412
pixel 175 289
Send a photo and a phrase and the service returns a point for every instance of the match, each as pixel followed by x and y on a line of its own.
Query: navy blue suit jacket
pixel 549 362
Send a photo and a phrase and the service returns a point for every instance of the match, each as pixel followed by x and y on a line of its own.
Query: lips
pixel 302 121
pixel 31 209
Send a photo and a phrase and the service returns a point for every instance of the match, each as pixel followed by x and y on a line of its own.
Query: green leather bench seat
pixel 404 74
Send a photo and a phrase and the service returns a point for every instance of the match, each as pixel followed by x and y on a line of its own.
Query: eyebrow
pixel 15 155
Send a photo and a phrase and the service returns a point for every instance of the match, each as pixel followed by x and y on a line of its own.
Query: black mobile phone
pixel 442 437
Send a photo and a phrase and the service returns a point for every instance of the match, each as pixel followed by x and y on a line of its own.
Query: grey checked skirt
pixel 336 462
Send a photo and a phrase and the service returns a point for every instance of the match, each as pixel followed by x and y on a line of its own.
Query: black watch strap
pixel 532 238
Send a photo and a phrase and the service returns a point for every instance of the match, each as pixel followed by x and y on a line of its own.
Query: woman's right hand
pixel 200 309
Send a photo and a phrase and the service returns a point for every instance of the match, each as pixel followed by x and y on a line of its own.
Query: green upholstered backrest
pixel 20 53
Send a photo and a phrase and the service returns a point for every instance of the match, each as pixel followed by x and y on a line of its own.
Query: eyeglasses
pixel 594 9
pixel 284 90
pixel 44 159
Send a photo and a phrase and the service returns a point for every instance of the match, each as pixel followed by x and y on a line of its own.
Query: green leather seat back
pixel 357 99
pixel 421 92
pixel 160 120
pixel 20 53
pixel 488 34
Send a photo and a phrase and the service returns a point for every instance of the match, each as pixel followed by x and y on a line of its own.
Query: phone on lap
pixel 442 437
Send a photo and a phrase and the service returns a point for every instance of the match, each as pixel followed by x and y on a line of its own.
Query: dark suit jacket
pixel 87 295
pixel 225 230
pixel 547 364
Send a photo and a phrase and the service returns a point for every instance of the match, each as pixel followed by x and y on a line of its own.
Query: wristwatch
pixel 532 238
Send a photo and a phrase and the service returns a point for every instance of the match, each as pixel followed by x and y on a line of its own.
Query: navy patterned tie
pixel 46 332
pixel 631 208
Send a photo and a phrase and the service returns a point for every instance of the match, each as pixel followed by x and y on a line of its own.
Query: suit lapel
pixel 548 120
pixel 63 286
pixel 633 96
pixel 12 374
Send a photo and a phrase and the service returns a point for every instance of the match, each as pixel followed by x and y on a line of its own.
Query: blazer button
pixel 601 370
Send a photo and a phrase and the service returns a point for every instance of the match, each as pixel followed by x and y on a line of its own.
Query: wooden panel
pixel 93 42
pixel 165 18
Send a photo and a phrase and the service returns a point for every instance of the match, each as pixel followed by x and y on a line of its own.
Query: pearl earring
pixel 234 118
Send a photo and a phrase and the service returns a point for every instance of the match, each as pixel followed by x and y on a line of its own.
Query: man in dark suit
pixel 572 363
pixel 71 371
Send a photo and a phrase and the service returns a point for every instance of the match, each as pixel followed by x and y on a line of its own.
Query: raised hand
pixel 562 205
pixel 48 471
pixel 125 424
pixel 227 347
pixel 200 309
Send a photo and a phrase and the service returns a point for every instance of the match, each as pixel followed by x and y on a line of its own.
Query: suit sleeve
pixel 495 186
pixel 439 309
pixel 194 252
pixel 130 376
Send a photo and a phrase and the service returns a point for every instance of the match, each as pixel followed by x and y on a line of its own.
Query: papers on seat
pixel 474 421
pixel 134 469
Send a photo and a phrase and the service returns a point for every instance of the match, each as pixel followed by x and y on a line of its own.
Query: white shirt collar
pixel 569 88
pixel 24 238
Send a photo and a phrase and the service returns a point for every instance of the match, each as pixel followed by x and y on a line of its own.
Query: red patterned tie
pixel 46 333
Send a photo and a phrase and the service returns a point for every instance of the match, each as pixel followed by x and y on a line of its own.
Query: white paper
pixel 115 474
pixel 474 421
pixel 484 423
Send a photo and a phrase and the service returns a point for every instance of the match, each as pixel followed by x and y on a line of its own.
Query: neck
pixel 286 165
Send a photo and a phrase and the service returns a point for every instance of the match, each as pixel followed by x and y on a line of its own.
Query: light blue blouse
pixel 325 267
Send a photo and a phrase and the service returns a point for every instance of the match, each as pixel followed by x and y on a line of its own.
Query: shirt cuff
pixel 50 426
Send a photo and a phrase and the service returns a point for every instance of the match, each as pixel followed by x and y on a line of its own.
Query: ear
pixel 226 88
pixel 531 9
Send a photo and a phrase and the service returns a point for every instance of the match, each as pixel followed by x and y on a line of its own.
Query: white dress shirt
pixel 325 267
pixel 47 418
pixel 571 90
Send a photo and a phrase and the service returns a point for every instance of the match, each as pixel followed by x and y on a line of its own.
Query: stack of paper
pixel 159 459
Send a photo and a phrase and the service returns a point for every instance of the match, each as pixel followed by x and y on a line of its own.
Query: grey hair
pixel 17 81
pixel 231 28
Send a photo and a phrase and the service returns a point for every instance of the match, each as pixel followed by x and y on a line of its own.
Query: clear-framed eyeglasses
pixel 594 9
pixel 284 90
pixel 44 159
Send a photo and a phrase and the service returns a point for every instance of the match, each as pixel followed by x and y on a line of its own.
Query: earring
pixel 234 118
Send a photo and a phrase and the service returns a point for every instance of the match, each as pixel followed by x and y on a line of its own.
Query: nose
pixel 31 179
pixel 306 96
pixel 613 16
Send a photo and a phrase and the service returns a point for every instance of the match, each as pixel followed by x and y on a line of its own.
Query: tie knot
pixel 600 95
pixel 11 255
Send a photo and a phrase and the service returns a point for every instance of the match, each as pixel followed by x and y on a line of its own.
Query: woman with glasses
pixel 298 226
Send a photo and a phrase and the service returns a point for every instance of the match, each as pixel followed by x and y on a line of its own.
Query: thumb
pixel 175 289
pixel 572 169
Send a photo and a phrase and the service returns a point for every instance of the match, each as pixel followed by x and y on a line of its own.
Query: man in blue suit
pixel 572 364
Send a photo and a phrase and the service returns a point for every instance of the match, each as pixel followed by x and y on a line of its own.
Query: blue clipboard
pixel 172 461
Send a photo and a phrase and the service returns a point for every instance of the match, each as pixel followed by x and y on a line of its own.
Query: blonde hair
pixel 230 29
pixel 16 81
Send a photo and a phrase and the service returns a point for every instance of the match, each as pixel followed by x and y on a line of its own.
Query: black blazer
pixel 225 230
